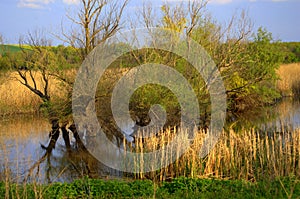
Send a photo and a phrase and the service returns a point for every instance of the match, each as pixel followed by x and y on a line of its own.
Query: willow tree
pixel 245 58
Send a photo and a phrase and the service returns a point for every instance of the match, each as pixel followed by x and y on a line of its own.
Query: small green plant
pixel 288 187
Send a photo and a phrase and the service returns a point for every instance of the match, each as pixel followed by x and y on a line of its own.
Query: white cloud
pixel 35 4
pixel 39 4
pixel 70 2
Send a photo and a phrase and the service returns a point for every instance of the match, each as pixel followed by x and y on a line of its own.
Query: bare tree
pixel 34 72
pixel 37 58
pixel 1 39
pixel 95 22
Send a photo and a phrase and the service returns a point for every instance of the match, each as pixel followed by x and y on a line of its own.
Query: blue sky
pixel 281 17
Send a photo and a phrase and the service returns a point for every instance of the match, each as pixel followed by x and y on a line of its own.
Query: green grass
pixel 12 48
pixel 177 188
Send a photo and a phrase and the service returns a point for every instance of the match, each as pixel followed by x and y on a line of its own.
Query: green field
pixel 12 48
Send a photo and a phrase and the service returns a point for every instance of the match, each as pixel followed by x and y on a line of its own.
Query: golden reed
pixel 248 155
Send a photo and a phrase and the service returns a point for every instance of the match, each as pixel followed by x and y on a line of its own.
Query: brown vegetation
pixel 289 83
pixel 249 155
pixel 15 98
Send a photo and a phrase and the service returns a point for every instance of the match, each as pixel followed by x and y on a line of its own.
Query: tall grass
pixel 16 98
pixel 249 155
pixel 289 83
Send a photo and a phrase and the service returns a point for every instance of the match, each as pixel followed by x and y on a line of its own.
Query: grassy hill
pixel 13 48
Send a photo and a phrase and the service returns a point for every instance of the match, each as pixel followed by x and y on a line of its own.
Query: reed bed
pixel 250 155
pixel 16 98
pixel 289 83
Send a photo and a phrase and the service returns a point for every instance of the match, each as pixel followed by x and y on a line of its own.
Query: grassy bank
pixel 177 188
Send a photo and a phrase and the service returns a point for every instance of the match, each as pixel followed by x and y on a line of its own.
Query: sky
pixel 17 17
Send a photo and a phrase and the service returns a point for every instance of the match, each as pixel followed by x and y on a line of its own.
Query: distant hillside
pixel 12 48
pixel 290 50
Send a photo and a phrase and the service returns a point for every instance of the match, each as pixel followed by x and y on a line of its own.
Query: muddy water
pixel 21 138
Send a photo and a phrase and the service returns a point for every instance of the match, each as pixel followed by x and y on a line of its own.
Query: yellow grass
pixel 16 98
pixel 289 83
pixel 247 155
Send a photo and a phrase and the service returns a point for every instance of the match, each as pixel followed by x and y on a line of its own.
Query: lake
pixel 21 138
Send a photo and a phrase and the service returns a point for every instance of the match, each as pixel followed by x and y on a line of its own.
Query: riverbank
pixel 177 188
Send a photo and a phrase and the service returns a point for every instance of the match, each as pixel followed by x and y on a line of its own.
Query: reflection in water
pixel 284 116
pixel 288 115
pixel 23 157
pixel 21 138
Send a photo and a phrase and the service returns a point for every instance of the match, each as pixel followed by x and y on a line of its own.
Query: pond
pixel 21 138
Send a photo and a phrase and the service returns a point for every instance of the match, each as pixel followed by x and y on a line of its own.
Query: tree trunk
pixel 66 137
pixel 54 134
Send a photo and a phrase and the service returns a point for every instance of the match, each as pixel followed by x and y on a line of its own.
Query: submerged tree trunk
pixel 65 135
pixel 54 134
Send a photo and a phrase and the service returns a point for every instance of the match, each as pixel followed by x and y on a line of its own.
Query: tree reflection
pixel 68 163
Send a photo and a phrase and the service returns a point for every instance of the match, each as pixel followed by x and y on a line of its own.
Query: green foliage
pixel 148 95
pixel 69 56
pixel 100 189
pixel 177 188
pixel 23 57
pixel 251 80
pixel 173 18
pixel 290 51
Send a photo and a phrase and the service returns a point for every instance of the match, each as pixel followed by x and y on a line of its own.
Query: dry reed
pixel 16 98
pixel 249 155
pixel 289 83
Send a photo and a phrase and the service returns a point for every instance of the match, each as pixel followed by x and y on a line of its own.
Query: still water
pixel 21 138
pixel 20 147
